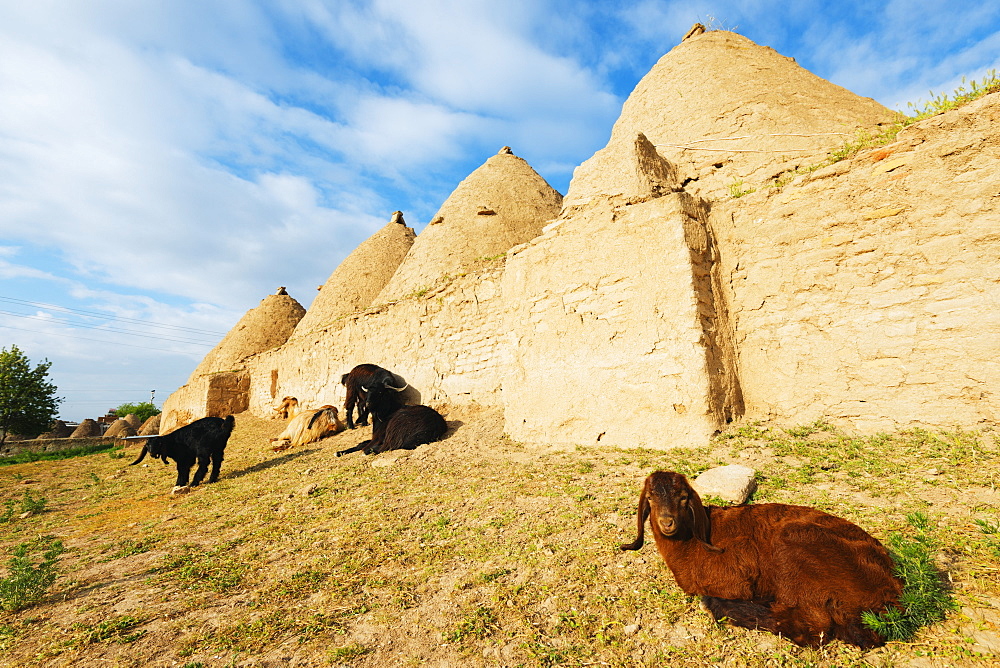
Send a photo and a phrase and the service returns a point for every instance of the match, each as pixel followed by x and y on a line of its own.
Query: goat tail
pixel 142 455
pixel 641 514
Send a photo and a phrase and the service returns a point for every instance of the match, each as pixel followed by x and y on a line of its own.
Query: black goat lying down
pixel 373 390
pixel 202 441
pixel 407 428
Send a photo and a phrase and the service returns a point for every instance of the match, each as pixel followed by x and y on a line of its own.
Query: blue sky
pixel 165 165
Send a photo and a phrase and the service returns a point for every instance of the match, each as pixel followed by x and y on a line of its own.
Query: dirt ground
pixel 474 551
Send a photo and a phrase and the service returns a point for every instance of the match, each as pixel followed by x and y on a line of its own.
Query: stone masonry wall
pixel 868 292
pixel 606 330
pixel 446 344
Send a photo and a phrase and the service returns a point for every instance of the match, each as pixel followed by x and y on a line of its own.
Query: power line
pixel 95 314
pixel 103 328
pixel 110 343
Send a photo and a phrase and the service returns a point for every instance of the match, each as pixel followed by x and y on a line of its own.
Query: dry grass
pixel 472 551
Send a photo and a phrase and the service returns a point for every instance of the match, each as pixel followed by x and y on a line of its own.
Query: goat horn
pixel 398 389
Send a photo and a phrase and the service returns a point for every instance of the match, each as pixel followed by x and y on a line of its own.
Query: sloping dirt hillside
pixel 475 551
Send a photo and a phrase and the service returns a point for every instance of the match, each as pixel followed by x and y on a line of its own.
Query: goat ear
pixel 641 514
pixel 700 525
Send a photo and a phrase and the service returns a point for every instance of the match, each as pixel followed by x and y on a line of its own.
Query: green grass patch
pixel 28 456
pixel 736 189
pixel 478 623
pixel 29 504
pixel 130 546
pixel 863 139
pixel 219 569
pixel 117 630
pixel 348 652
pixel 28 581
pixel 926 599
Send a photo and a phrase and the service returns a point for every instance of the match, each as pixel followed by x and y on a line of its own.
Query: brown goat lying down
pixel 791 570
pixel 308 426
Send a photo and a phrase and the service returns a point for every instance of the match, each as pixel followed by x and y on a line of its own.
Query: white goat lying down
pixel 308 426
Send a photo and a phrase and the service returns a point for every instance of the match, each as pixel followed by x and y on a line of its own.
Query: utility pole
pixel 152 395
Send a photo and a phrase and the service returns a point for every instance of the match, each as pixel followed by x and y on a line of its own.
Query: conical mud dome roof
pixel 501 204
pixel 150 426
pixel 120 428
pixel 354 284
pixel 761 111
pixel 87 429
pixel 59 430
pixel 262 328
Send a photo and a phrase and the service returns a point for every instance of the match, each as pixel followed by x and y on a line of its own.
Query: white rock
pixel 734 483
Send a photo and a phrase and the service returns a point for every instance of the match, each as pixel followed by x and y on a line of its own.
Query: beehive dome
pixel 502 203
pixel 725 109
pixel 262 328
pixel 357 281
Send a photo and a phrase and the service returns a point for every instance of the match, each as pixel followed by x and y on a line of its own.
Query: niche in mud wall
pixel 228 393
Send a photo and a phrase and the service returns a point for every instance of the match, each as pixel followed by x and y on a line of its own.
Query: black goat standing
pixel 408 427
pixel 202 441
pixel 360 382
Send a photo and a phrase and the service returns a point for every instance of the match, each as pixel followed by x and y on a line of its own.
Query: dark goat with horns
pixel 360 382
pixel 408 427
pixel 203 441
pixel 791 570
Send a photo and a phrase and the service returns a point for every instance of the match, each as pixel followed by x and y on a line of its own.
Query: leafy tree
pixel 28 401
pixel 143 410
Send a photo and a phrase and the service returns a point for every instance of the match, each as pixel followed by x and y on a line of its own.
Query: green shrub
pixel 925 598
pixel 143 410
pixel 27 583
pixel 32 504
